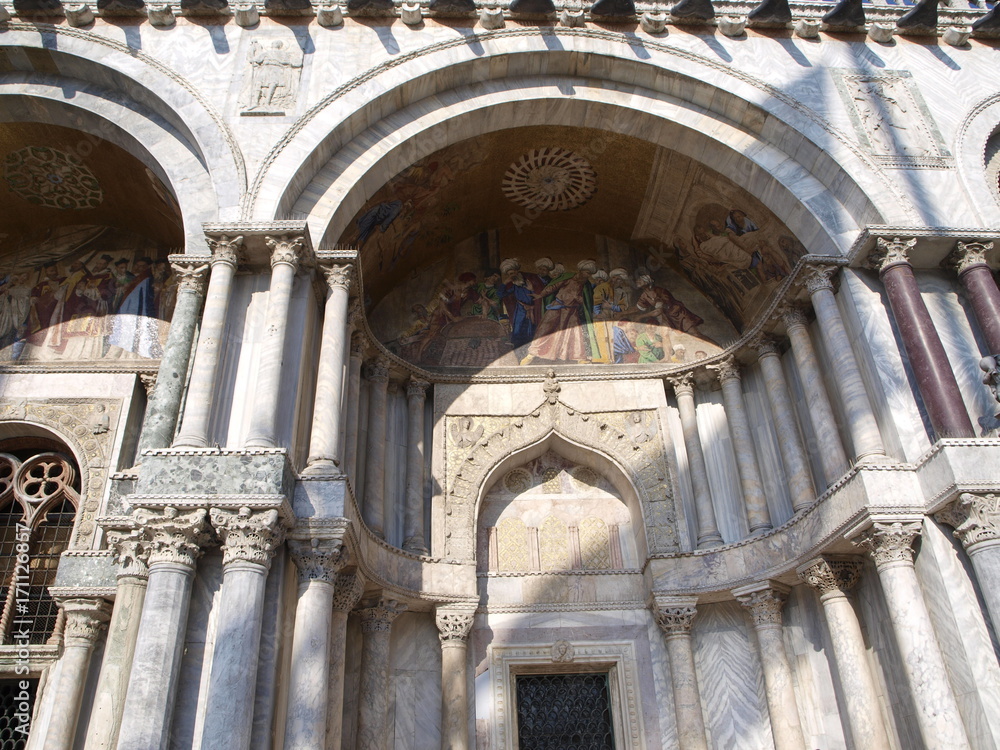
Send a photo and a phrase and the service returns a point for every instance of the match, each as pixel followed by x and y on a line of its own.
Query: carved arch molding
pixel 633 440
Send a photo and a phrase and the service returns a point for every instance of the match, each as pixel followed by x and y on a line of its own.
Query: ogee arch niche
pixel 557 245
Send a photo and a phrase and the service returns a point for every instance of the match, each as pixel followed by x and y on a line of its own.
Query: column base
pixel 761 529
pixel 325 467
pixel 713 540
pixel 415 545
pixel 189 441
pixel 259 442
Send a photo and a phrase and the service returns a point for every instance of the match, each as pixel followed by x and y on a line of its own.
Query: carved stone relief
pixel 271 80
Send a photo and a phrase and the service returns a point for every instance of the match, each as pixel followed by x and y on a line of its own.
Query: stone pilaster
pixel 285 259
pixel 934 375
pixel 889 543
pixel 708 527
pixel 675 615
pixel 413 520
pixel 324 441
pixel 833 577
pixel 454 624
pixel 793 454
pixel 975 517
pixel 373 699
pixel 201 389
pixel 347 593
pixel 969 260
pixel 374 503
pixel 764 601
pixel 174 541
pixel 351 430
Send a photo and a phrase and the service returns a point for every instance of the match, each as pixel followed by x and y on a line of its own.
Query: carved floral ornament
pixel 454 624
pixel 675 615
pixel 317 559
pixel 764 606
pixel 974 517
pixel 817 278
pixel 248 535
pixel 889 542
pixel 131 553
pixel 226 249
pixel 347 592
pixel 85 619
pixel 967 255
pixel 379 618
pixel 831 576
pixel 338 276
pixel 285 249
pixel 890 253
pixel 727 369
pixel 190 274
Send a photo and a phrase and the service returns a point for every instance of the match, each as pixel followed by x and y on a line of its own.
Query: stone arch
pixel 978 132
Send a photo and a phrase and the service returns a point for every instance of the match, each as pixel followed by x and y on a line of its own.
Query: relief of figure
pixel 883 117
pixel 274 77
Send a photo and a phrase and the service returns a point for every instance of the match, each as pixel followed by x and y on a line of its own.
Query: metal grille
pixel 49 540
pixel 564 712
pixel 14 719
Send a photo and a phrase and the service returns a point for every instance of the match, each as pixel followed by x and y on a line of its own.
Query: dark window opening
pixel 564 712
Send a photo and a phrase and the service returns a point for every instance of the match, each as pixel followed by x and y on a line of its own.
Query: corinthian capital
pixel 173 536
pixel 248 535
pixel 190 274
pixel 454 623
pixel 131 552
pixel 818 278
pixel 892 252
pixel 85 619
pixel 793 316
pixel 975 518
pixel 889 543
pixel 225 249
pixel 764 602
pixel 683 383
pixel 379 618
pixel 727 369
pixel 675 614
pixel 764 345
pixel 317 559
pixel 285 249
pixel 967 255
pixel 831 575
pixel 347 592
pixel 417 389
pixel 378 370
pixel 338 277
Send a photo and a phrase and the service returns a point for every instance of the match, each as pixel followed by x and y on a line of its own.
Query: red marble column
pixel 935 378
pixel 969 259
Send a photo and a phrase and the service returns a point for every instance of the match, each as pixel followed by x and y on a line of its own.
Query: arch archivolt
pixel 627 443
pixel 981 124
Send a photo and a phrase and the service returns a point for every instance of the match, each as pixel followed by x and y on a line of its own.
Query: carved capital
pixel 975 518
pixel 793 316
pixel 248 535
pixel 966 255
pixel 378 619
pixel 131 553
pixel 818 278
pixel 683 384
pixel 85 619
pixel 378 370
pixel 889 543
pixel 190 275
pixel 416 389
pixel 148 381
pixel 347 592
pixel 226 249
pixel 173 536
pixel 454 624
pixel 728 369
pixel 890 253
pixel 764 604
pixel 285 249
pixel 764 345
pixel 831 575
pixel 358 344
pixel 317 559
pixel 339 277
pixel 675 614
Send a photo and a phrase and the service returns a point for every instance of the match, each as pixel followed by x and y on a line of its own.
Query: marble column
pixel 85 619
pixel 674 615
pixel 163 406
pixel 764 602
pixel 119 649
pixel 174 541
pixel 249 539
pixel 976 521
pixel 831 451
pixel 267 393
pixel 350 466
pixel 708 527
pixel 931 368
pixel 938 719
pixel 374 504
pixel 858 414
pixel 201 389
pixel 793 454
pixel 413 519
pixel 454 624
pixel 754 498
pixel 347 593
pixel 969 259
pixel 373 697
pixel 324 440
pixel 318 560
pixel 833 577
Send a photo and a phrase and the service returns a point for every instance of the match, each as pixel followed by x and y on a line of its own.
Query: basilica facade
pixel 488 375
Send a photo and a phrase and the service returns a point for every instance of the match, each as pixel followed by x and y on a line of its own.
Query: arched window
pixel 39 496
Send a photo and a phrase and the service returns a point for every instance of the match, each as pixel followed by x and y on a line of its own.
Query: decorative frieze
pixel 248 535
pixel 317 559
pixel 453 624
pixel 975 518
pixel 172 536
pixel 889 543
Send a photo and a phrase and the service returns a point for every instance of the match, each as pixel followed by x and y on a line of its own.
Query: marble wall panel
pixel 723 475
pixel 765 442
pixel 415 666
pixel 352 681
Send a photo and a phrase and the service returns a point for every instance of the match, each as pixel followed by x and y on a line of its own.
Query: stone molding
pixel 285 249
pixel 85 619
pixel 890 543
pixel 675 614
pixel 764 602
pixel 454 624
pixel 347 592
pixel 831 575
pixel 975 518
pixel 226 249
pixel 131 553
pixel 890 253
pixel 248 535
pixel 173 536
pixel 379 617
pixel 317 559
pixel 190 272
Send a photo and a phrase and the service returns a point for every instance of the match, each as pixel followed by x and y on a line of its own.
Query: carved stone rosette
pixel 347 592
pixel 817 278
pixel 764 605
pixel 890 253
pixel 831 576
pixel 85 619
pixel 285 249
pixel 454 624
pixel 226 249
pixel 975 518
pixel 889 543
pixel 338 276
pixel 131 553
pixel 966 255
pixel 173 536
pixel 317 559
pixel 675 615
pixel 248 535
pixel 190 275
pixel 379 618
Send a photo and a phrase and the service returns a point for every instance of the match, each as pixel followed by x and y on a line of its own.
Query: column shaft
pixel 374 690
pixel 353 407
pixel 981 288
pixel 674 616
pixel 347 592
pixel 454 625
pixel 374 504
pixel 413 521
pixel 708 527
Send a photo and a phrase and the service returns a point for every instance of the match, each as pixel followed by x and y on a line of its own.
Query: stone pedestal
pixel 347 593
pixel 324 440
pixel 764 602
pixel 201 389
pixel 674 615
pixel 833 577
pixel 373 699
pixel 931 368
pixel 889 542
pixel 708 527
pixel 413 520
pixel 374 503
pixel 454 624
pixel 969 259
pixel 350 466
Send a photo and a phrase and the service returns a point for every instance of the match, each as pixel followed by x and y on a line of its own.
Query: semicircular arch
pixel 980 126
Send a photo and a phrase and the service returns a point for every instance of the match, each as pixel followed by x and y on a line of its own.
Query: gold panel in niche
pixel 553 545
pixel 512 545
pixel 594 550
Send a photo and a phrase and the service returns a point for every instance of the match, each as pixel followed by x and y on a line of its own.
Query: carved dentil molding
pixel 967 255
pixel 285 249
pixel 890 253
pixel 379 618
pixel 338 276
pixel 817 278
pixel 226 249
pixel 347 592
pixel 248 535
pixel 85 619
pixel 832 575
pixel 889 543
pixel 975 518
pixel 727 369
pixel 675 615
pixel 764 606
pixel 454 624
pixel 131 553
pixel 173 536
pixel 317 559
pixel 190 275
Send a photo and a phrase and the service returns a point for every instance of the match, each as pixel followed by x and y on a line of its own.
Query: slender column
pixel 119 650
pixel 284 265
pixel 831 452
pixel 976 520
pixel 935 378
pixel 454 624
pixel 174 541
pixel 374 507
pixel 793 455
pixel 201 389
pixel 164 402
pixel 324 440
pixel 969 259
pixel 85 619
pixel 249 539
pixel 346 596
pixel 889 543
pixel 708 527
pixel 413 520
pixel 755 501
pixel 764 602
pixel 373 706
pixel 833 577
pixel 318 561
pixel 860 418
pixel 353 406
pixel 674 615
